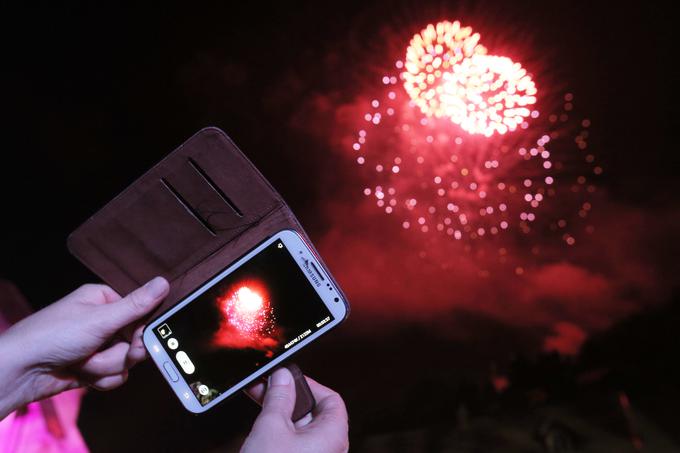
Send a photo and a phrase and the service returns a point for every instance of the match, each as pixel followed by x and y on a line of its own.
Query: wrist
pixel 17 374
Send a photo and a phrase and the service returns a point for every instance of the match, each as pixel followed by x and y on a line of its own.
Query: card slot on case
pixel 217 190
pixel 238 183
pixel 188 207
pixel 202 198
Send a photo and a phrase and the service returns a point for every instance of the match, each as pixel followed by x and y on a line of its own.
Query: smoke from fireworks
pixel 248 319
pixel 428 168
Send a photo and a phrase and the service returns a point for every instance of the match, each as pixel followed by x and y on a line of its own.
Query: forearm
pixel 16 380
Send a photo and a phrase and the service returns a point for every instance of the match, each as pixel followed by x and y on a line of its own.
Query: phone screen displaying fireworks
pixel 242 322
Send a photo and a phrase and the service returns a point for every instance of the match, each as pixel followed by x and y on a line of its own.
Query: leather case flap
pixel 188 217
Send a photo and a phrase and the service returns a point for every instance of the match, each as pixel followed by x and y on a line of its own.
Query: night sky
pixel 94 95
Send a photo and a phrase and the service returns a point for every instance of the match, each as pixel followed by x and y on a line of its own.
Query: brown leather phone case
pixel 187 218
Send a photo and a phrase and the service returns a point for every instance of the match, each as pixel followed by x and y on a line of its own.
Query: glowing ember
pixel 448 74
pixel 248 312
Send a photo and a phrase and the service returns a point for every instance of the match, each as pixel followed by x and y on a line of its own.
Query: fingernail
pixel 280 377
pixel 156 287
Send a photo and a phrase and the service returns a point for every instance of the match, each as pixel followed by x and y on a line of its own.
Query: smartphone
pixel 258 312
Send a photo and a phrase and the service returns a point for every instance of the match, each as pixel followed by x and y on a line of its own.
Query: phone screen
pixel 242 322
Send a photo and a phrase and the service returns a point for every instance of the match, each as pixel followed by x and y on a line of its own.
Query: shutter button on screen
pixel 171 373
pixel 186 363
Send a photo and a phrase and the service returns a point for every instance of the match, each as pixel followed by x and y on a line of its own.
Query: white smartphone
pixel 243 322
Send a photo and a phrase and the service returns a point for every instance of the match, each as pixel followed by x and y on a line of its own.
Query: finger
pixel 279 399
pixel 137 352
pixel 107 362
pixel 135 305
pixel 329 418
pixel 304 421
pixel 109 382
pixel 330 408
pixel 256 392
pixel 107 293
pixel 319 391
pixel 74 384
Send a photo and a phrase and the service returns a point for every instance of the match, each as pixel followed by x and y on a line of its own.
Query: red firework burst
pixel 248 312
pixel 449 75
pixel 248 318
pixel 424 168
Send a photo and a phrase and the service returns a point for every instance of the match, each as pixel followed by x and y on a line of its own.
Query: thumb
pixel 279 400
pixel 136 304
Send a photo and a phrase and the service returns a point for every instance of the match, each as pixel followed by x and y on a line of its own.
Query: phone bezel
pixel 301 253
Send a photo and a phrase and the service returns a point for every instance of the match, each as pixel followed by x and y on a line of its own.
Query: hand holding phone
pixel 75 342
pixel 326 429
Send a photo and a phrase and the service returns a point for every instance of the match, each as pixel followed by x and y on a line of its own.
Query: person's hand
pixel 74 342
pixel 326 430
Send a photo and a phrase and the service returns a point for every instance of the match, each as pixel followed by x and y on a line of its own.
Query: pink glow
pixel 28 432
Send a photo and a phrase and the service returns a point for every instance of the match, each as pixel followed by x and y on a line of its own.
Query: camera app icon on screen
pixel 164 330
